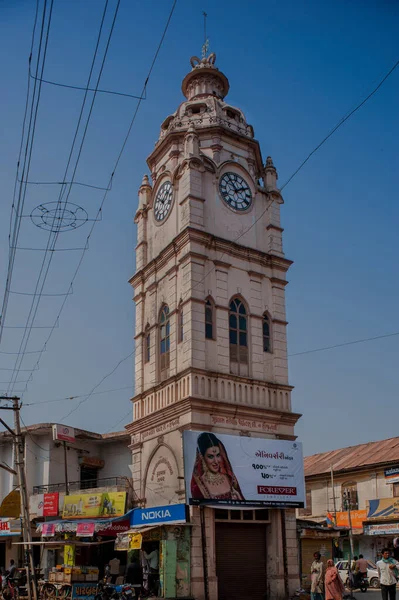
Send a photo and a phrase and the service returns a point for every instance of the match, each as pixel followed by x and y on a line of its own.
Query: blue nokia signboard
pixel 158 515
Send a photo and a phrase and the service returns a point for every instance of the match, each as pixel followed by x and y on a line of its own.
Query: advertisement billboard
pixel 83 506
pixel 392 475
pixel 242 471
pixel 384 508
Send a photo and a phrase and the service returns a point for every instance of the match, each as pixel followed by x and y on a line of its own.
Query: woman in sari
pixel 334 586
pixel 213 476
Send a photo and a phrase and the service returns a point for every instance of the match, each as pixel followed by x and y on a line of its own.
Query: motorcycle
pixel 363 583
pixel 108 591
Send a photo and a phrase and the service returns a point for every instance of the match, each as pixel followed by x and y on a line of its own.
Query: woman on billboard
pixel 213 477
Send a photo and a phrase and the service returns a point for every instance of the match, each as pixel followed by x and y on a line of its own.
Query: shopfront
pixel 162 533
pixel 10 531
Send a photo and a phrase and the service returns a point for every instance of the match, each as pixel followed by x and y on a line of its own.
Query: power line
pixel 77 87
pixel 98 385
pixel 324 140
pixel 33 112
pixel 361 341
pixel 53 236
pixel 113 172
pixel 127 387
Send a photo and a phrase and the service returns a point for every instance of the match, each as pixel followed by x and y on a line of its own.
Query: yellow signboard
pixel 11 505
pixel 136 540
pixel 83 506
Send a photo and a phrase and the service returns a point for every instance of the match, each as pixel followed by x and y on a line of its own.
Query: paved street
pixel 369 595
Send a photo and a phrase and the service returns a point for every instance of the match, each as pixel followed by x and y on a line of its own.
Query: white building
pixel 94 462
pixel 365 477
pixel 211 351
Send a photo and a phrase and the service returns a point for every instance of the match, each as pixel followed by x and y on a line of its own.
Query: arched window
pixel 349 496
pixel 210 330
pixel 238 333
pixel 147 345
pixel 267 339
pixel 180 324
pixel 164 340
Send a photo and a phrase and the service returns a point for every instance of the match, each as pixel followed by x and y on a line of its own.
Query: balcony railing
pixel 76 486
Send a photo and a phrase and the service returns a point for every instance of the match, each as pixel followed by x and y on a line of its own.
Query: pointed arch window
pixel 164 339
pixel 180 323
pixel 267 338
pixel 210 329
pixel 238 337
pixel 147 345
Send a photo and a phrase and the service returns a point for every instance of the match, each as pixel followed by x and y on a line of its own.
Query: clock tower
pixel 210 333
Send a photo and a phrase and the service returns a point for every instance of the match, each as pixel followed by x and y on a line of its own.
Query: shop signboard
pixel 5 528
pixel 62 433
pixel 136 540
pixel 11 505
pixel 44 505
pixel 156 515
pixel 122 542
pixel 242 471
pixel 382 529
pixel 48 529
pixel 384 508
pixel 391 475
pixel 357 518
pixel 84 591
pixel 85 529
pixel 83 506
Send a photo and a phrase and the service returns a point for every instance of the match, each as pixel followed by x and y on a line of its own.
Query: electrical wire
pixel 77 87
pixel 113 171
pixel 18 203
pixel 127 387
pixel 97 385
pixel 48 256
pixel 361 341
pixel 303 163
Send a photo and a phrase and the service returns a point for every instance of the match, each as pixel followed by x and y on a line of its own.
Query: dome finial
pixel 205 46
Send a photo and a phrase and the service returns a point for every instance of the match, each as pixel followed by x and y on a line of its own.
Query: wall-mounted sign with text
pixel 156 515
pixel 392 475
pixel 82 506
pixel 63 433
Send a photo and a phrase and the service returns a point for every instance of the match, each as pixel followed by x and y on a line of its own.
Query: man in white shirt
pixel 387 574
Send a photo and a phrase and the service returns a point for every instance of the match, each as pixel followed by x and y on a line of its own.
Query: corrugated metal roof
pixel 353 457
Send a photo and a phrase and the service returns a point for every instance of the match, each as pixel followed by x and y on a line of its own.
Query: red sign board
pixel 63 433
pixel 50 505
pixel 276 490
pixel 5 528
pixel 48 530
pixel 85 529
pixel 114 527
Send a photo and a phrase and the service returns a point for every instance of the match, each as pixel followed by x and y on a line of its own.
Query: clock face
pixel 163 201
pixel 235 191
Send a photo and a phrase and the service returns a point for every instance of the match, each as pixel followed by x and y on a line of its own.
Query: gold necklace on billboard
pixel 214 478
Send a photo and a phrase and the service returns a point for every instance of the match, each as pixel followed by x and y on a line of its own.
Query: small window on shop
pixel 349 496
pixel 247 515
pixel 221 514
pixel 395 490
pixel 88 477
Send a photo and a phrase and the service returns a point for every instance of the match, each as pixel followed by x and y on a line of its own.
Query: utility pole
pixel 334 499
pixel 20 468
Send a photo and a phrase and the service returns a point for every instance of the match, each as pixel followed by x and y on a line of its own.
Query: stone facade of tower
pixel 208 234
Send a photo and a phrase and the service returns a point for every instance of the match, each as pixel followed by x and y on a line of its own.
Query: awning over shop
pixel 105 527
pixel 61 543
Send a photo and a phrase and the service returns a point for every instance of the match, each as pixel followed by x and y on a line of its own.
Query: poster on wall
pixel 242 471
pixel 81 506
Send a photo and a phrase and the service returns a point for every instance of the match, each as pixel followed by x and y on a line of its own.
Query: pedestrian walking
pixel 317 578
pixel 388 574
pixel 333 583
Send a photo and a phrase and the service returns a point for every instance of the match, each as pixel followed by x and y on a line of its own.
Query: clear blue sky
pixel 295 68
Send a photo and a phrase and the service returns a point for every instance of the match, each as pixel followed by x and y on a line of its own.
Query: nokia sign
pixel 158 515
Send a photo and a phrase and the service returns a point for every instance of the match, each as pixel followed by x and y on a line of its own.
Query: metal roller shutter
pixel 241 561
